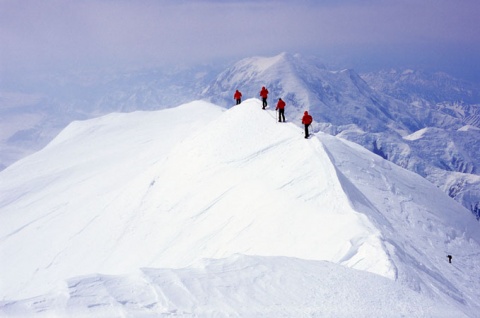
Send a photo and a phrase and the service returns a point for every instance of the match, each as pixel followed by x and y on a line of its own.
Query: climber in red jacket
pixel 237 96
pixel 281 110
pixel 264 95
pixel 306 120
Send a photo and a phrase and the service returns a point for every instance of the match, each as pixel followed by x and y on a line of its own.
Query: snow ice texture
pixel 426 123
pixel 202 211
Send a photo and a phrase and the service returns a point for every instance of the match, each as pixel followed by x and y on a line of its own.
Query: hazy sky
pixel 39 35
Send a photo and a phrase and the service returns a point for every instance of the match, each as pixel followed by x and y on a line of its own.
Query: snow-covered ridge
pixel 225 166
pixel 165 189
pixel 343 104
pixel 33 115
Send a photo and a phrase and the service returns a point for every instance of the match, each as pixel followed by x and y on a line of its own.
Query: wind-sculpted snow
pixel 166 189
pixel 444 157
pixel 343 104
pixel 240 286
pixel 418 225
pixel 375 110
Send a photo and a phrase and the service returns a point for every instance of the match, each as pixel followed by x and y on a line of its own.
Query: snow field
pixel 167 189
pixel 239 286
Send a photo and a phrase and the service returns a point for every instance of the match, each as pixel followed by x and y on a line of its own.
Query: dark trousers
pixel 306 130
pixel 239 101
pixel 281 113
pixel 264 100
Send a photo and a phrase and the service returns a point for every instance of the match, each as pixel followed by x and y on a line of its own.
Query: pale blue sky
pixel 39 35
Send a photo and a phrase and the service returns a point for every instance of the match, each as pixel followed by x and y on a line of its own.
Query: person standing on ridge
pixel 238 96
pixel 306 120
pixel 264 95
pixel 281 110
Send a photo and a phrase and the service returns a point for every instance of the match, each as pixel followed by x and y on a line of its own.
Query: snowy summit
pixel 202 211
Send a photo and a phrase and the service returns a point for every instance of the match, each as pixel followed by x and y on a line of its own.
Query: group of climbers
pixel 306 119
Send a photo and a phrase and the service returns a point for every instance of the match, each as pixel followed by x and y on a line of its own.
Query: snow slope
pixel 344 105
pixel 33 111
pixel 239 286
pixel 166 189
pixel 341 101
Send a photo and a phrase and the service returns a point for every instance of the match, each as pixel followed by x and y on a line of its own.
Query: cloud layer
pixel 69 34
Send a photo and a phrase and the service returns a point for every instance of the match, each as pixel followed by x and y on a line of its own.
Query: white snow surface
pixel 468 128
pixel 203 211
pixel 416 135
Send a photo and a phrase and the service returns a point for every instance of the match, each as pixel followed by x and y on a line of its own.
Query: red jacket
pixel 307 119
pixel 264 92
pixel 280 105
pixel 237 95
